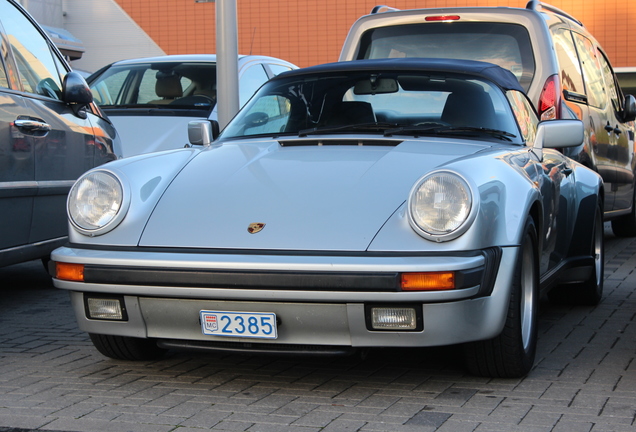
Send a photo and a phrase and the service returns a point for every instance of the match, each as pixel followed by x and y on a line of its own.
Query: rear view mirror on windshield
pixel 375 85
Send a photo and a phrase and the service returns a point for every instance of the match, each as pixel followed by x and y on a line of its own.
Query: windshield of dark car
pixel 171 86
pixel 410 103
pixel 504 44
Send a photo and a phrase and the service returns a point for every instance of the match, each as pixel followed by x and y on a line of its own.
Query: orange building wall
pixel 309 32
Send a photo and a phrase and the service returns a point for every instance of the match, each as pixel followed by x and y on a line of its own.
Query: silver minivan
pixel 560 65
pixel 50 133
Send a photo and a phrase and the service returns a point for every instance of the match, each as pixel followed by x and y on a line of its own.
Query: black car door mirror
pixel 76 93
pixel 629 112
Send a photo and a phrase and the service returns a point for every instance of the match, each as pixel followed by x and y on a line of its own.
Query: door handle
pixel 32 125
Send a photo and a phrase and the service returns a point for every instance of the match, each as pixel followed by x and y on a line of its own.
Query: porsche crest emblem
pixel 255 227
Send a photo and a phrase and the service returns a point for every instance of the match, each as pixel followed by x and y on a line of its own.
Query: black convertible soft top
pixel 489 71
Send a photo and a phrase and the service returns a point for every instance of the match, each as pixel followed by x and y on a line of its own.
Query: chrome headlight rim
pixel 461 228
pixel 124 203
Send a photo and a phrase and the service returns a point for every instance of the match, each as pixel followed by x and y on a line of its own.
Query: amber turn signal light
pixel 429 281
pixel 70 272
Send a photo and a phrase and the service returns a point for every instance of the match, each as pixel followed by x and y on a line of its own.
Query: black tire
pixel 45 262
pixel 589 292
pixel 126 348
pixel 625 226
pixel 511 354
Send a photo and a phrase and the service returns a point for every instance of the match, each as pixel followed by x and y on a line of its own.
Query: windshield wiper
pixel 439 130
pixel 350 127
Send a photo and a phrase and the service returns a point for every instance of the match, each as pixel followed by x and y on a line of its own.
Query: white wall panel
pixel 108 33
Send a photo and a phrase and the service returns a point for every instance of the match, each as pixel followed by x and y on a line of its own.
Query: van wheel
pixel 587 293
pixel 126 348
pixel 625 226
pixel 511 354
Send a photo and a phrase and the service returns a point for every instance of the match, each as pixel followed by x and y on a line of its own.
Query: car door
pixel 554 176
pixel 49 143
pixel 620 138
pixel 17 166
pixel 603 141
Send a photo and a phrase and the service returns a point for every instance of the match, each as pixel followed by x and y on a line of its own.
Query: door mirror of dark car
pixel 76 93
pixel 202 132
pixel 629 112
pixel 558 134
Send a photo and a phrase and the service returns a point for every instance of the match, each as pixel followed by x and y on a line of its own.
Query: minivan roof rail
pixel 534 5
pixel 383 8
pixel 538 6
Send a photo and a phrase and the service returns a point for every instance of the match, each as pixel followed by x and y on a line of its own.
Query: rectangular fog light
pixel 393 318
pixel 105 308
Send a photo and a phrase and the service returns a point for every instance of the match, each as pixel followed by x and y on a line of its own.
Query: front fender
pixel 145 184
pixel 506 198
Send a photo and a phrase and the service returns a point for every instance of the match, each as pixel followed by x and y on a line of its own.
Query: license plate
pixel 260 325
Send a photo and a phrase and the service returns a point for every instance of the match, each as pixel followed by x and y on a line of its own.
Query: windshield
pixel 157 85
pixel 389 103
pixel 506 45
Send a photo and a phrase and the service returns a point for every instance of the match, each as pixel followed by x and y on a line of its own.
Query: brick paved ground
pixel 52 379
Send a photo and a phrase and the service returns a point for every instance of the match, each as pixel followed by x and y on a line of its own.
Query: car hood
pixel 145 134
pixel 307 197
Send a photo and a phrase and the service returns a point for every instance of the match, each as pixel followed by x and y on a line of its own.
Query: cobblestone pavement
pixel 51 378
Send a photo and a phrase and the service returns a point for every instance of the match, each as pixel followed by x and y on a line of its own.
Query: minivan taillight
pixel 550 99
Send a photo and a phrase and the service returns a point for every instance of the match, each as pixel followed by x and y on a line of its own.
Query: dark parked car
pixel 50 133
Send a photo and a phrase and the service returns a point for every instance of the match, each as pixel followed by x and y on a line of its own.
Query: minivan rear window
pixel 506 45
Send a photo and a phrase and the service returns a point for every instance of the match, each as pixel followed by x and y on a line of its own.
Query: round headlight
pixel 441 206
pixel 96 203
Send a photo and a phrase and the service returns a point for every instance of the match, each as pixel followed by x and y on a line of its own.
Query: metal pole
pixel 227 61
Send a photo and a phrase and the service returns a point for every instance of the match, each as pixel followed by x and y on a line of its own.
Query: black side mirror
pixel 76 93
pixel 629 112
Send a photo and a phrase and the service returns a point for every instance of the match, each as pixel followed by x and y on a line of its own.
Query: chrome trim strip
pixel 33 188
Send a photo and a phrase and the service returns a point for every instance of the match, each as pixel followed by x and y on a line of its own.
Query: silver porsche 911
pixel 381 203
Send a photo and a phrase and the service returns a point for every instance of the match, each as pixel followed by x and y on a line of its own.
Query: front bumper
pixel 165 291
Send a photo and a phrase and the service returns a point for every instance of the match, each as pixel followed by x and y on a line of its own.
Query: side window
pixel 250 81
pixel 278 69
pixel 570 74
pixel 525 115
pixel 592 72
pixel 3 75
pixel 269 114
pixel 61 69
pixel 36 63
pixel 147 90
pixel 610 83
pixel 107 91
pixel 277 109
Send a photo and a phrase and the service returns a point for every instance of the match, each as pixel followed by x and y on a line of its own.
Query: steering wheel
pixel 193 100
